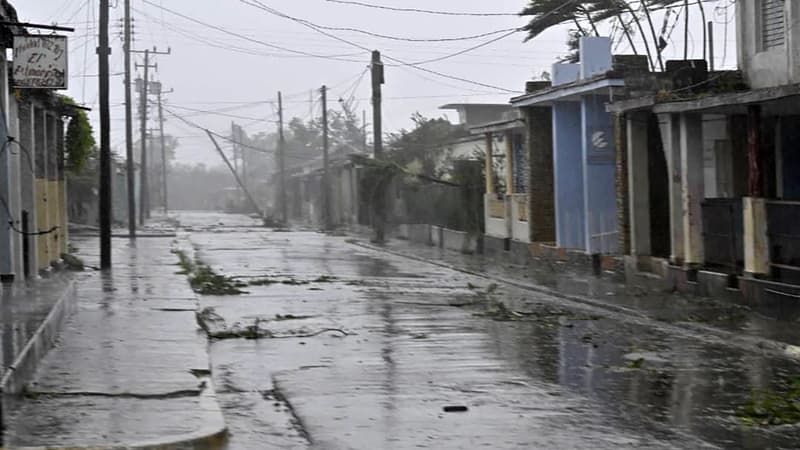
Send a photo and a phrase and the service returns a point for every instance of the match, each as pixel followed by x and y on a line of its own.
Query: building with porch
pixel 506 203
pixel 573 151
pixel 732 166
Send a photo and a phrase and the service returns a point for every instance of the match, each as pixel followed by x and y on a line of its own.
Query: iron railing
pixel 783 229
pixel 723 234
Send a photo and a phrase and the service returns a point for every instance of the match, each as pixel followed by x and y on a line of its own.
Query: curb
pixel 702 332
pixel 24 366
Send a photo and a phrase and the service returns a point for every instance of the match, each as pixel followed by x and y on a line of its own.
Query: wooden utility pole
pixel 326 183
pixel 377 123
pixel 105 141
pixel 235 149
pixel 164 191
pixel 364 130
pixel 144 201
pixel 235 175
pixel 144 187
pixel 129 164
pixel 282 163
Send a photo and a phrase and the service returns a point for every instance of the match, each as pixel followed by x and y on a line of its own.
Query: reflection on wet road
pixel 540 374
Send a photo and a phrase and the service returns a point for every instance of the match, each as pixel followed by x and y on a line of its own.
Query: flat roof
pixel 567 92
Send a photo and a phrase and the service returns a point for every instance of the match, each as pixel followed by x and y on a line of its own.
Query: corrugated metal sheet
pixel 773 23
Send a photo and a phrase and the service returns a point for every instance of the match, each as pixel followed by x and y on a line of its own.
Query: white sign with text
pixel 40 62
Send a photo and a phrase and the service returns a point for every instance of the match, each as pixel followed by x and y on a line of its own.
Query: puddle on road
pixel 643 379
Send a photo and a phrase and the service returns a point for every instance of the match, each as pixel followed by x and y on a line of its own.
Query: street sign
pixel 40 62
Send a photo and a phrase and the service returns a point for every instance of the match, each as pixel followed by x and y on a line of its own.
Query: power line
pixel 421 11
pixel 247 38
pixel 407 39
pixel 259 5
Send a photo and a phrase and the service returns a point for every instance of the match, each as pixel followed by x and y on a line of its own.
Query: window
pixel 773 24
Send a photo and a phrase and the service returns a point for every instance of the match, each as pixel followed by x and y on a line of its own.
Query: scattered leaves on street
pixel 771 408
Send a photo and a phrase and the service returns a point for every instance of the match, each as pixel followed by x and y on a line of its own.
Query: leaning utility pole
pixel 326 184
pixel 129 165
pixel 144 187
pixel 105 141
pixel 282 163
pixel 379 195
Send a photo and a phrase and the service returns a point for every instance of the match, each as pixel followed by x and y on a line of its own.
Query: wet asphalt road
pixel 421 337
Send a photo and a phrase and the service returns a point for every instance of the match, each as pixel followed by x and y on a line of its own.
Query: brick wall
pixel 623 211
pixel 541 197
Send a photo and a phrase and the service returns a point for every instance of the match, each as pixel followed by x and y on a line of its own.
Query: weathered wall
pixel 774 67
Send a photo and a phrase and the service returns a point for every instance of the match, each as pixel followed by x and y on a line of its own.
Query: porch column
pixel 670 136
pixel 639 183
pixel 509 163
pixel 623 204
pixel 6 251
pixel 692 186
pixel 489 164
pixel 756 241
pixel 541 188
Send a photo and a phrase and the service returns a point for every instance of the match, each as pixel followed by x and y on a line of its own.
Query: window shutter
pixel 773 24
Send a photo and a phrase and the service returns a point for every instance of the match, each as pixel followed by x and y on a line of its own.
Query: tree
pixel 549 13
pixel 420 149
pixel 80 145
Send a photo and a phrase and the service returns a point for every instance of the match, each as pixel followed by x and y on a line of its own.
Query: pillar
pixel 541 195
pixel 6 250
pixel 639 183
pixel 623 203
pixel 692 186
pixel 489 164
pixel 670 136
pixel 509 140
pixel 756 240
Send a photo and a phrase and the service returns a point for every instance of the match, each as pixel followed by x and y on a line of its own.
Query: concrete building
pixel 505 204
pixel 582 150
pixel 33 216
pixel 733 167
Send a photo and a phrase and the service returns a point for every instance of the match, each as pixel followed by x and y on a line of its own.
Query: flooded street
pixel 365 349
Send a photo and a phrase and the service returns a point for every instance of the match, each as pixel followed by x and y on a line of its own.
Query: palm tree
pixel 549 13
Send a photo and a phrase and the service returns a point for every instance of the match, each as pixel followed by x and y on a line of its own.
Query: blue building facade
pixel 584 148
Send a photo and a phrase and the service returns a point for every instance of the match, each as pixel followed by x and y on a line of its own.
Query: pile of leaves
pixel 205 281
pixel 771 408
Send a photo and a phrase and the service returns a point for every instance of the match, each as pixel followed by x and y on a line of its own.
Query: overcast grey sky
pixel 214 71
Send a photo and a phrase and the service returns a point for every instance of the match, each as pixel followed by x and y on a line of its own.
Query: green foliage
pixel 586 15
pixel 422 145
pixel 770 408
pixel 204 280
pixel 80 144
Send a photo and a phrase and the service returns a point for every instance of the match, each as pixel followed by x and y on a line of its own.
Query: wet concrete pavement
pixel 545 372
pixel 130 367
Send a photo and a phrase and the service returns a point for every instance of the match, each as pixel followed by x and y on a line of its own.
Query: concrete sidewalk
pixel 754 327
pixel 130 369
pixel 31 316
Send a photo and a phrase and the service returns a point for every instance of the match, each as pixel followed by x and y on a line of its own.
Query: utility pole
pixel 282 162
pixel 236 175
pixel 164 192
pixel 379 195
pixel 144 187
pixel 129 165
pixel 364 130
pixel 235 148
pixel 326 184
pixel 144 206
pixel 105 141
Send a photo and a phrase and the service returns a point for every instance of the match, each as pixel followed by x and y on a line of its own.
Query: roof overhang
pixel 569 92
pixel 498 127
pixel 728 103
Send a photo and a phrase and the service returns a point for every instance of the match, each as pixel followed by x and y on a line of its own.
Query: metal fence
pixel 723 234
pixel 783 225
